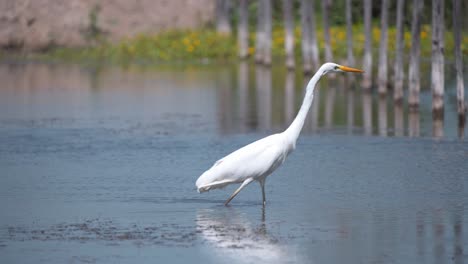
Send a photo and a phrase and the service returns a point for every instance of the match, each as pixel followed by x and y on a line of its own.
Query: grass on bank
pixel 207 45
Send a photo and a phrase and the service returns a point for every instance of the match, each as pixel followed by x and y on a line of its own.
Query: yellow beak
pixel 349 69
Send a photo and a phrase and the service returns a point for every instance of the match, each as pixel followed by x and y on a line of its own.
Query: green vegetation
pixel 207 45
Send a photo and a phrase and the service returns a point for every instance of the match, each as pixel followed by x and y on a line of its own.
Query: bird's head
pixel 333 67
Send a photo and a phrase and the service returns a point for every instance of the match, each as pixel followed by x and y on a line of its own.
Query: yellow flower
pixel 423 34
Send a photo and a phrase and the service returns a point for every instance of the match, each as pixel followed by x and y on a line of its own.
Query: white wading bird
pixel 259 159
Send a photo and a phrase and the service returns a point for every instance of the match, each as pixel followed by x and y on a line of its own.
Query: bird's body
pixel 256 160
pixel 259 159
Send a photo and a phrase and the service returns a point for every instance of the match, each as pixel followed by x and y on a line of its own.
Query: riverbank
pixel 207 46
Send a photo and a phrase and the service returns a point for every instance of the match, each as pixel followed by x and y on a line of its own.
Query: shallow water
pixel 98 164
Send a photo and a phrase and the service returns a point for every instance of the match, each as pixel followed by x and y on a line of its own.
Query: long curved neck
pixel 295 128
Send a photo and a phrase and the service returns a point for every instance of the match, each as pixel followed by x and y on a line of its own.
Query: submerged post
pixel 413 74
pixel 459 62
pixel 260 33
pixel 383 50
pixel 222 17
pixel 242 30
pixel 289 33
pixel 349 33
pixel 326 6
pixel 310 53
pixel 367 63
pixel 268 29
pixel 398 66
pixel 437 76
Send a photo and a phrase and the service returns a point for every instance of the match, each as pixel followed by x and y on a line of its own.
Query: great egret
pixel 259 159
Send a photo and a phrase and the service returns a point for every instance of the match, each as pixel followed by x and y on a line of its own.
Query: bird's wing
pixel 254 160
pixel 251 149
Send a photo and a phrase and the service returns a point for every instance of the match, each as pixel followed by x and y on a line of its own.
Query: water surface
pixel 98 164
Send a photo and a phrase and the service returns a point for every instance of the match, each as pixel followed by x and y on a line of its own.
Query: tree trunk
pixel 306 13
pixel 367 63
pixel 260 34
pixel 398 67
pixel 437 79
pixel 349 33
pixel 413 74
pixel 223 25
pixel 242 30
pixel 383 72
pixel 326 5
pixel 289 33
pixel 458 59
pixel 268 33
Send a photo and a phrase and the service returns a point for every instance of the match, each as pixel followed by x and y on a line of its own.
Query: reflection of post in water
pixel 243 82
pixel 330 104
pixel 289 98
pixel 263 88
pixel 461 126
pixel 413 122
pixel 367 112
pixel 350 109
pixel 398 122
pixel 383 116
pixel 225 107
pixel 439 241
pixel 420 235
pixel 458 235
pixel 437 126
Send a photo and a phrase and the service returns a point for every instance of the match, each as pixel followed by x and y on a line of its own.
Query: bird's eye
pixel 336 67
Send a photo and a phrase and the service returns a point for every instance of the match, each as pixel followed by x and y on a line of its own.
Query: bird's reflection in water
pixel 231 234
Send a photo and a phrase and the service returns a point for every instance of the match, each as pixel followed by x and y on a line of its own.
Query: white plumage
pixel 259 159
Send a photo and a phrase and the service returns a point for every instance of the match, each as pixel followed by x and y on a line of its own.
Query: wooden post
pixel 367 62
pixel 383 50
pixel 310 53
pixel 306 13
pixel 398 66
pixel 437 75
pixel 242 30
pixel 457 14
pixel 268 29
pixel 413 72
pixel 260 34
pixel 314 51
pixel 349 33
pixel 326 5
pixel 223 25
pixel 289 33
